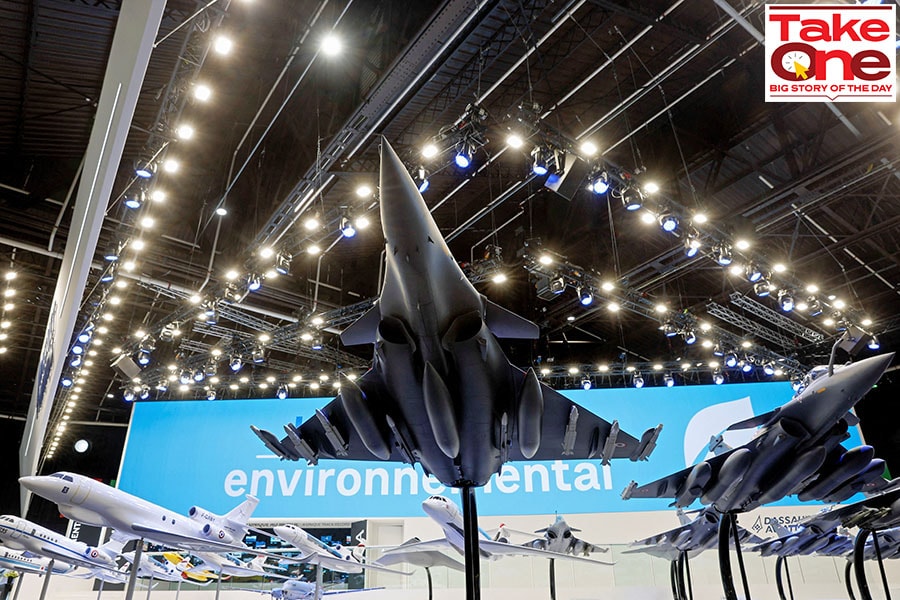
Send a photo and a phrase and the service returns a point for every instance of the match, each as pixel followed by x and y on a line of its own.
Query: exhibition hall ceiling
pixel 669 93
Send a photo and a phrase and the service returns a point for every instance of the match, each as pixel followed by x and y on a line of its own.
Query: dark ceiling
pixel 670 93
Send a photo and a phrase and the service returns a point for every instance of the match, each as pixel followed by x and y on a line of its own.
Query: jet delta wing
pixel 879 511
pixel 796 451
pixel 441 392
pixel 805 541
pixel 692 536
pixel 560 538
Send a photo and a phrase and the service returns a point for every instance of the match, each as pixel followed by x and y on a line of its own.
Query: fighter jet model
pixel 693 536
pixel 297 589
pixel 94 503
pixel 337 558
pixel 558 537
pixel 877 512
pixel 26 562
pixel 805 541
pixel 447 515
pixel 440 391
pixel 20 534
pixel 796 451
pixel 888 545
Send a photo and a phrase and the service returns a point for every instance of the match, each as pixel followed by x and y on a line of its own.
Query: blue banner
pixel 180 454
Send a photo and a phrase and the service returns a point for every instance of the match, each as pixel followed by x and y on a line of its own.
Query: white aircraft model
pixel 449 517
pixel 21 534
pixel 226 564
pixel 25 563
pixel 316 552
pixel 297 589
pixel 94 503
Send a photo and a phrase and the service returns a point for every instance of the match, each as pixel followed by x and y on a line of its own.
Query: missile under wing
pixel 441 392
pixel 797 450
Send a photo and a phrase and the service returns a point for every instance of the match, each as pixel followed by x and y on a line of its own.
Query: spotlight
pixel 731 360
pixel 235 363
pixel 585 384
pixel 184 131
pixel 209 369
pixel 143 357
pixel 463 158
pixel 795 383
pixel 585 296
pixel 85 336
pixel 66 381
pixel 112 253
pixel 199 375
pixel 669 329
pixel 202 92
pixel 210 394
pixel 162 386
pixel 347 228
pixel 331 45
pixel 253 282
pixel 718 377
pixel 283 263
pixel 722 254
pixel 753 272
pixel 769 368
pixel 145 392
pixel 316 343
pixel 75 362
pixel 258 354
pixel 638 380
pixel 128 395
pixel 668 222
pixel 185 376
pixel 82 446
pixel 691 246
pixel 282 392
pixel 668 380
pixel 421 180
pixel 746 366
pixel 786 300
pixel 689 336
pixel 429 150
pixel 873 343
pixel 76 349
pixel 762 288
pixel 144 171
pixel 222 45
pixel 600 183
pixel 814 306
pixel 632 199
pixel 134 201
pixel 514 141
pixel 540 164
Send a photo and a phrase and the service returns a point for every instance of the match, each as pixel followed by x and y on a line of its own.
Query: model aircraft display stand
pixel 18 586
pixel 470 533
pixel 781 566
pixel 859 549
pixel 552 579
pixel 728 530
pixel 132 577
pixel 47 579
pixel 430 587
pixel 848 577
pixel 680 574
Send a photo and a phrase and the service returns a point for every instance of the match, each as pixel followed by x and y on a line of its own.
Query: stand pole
pixel 100 589
pixel 178 589
pixel 47 579
pixel 18 586
pixel 219 584
pixel 552 579
pixel 132 577
pixel 884 581
pixel 787 573
pixel 737 550
pixel 318 582
pixel 847 578
pixel 673 578
pixel 781 566
pixel 687 574
pixel 427 574
pixel 472 554
pixel 679 575
pixel 859 552
pixel 725 557
pixel 149 585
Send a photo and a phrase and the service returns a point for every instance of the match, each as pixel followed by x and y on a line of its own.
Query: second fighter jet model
pixel 693 536
pixel 805 541
pixel 560 538
pixel 796 451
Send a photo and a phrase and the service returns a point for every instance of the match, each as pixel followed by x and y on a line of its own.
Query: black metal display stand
pixel 859 567
pixel 472 555
pixel 848 578
pixel 781 567
pixel 552 579
pixel 728 530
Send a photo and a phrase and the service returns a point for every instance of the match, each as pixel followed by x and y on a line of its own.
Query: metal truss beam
pixel 777 319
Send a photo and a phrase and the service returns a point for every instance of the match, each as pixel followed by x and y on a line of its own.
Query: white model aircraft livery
pixel 94 503
pixel 21 534
pixel 297 589
pixel 448 516
pixel 337 558
pixel 226 564
pixel 23 563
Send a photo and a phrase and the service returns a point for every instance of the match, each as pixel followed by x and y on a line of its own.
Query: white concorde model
pixel 20 534
pixel 94 503
pixel 316 552
pixel 446 514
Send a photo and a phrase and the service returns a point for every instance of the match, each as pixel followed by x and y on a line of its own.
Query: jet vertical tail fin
pixel 243 511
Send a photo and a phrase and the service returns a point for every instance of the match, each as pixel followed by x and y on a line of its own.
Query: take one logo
pixel 842 53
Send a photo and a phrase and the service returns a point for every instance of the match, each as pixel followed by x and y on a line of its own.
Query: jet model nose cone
pixel 402 208
pixel 33 483
pixel 866 373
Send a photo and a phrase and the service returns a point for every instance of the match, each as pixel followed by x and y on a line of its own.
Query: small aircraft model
pixel 446 514
pixel 21 534
pixel 805 541
pixel 692 537
pixel 877 512
pixel 94 503
pixel 152 566
pixel 297 589
pixel 558 538
pixel 797 450
pixel 337 558
pixel 228 564
pixel 28 563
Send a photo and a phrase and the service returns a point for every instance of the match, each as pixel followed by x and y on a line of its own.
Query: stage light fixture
pixel 283 262
pixel 731 360
pixel 668 222
pixel 769 368
pixel 762 288
pixel 144 170
pixel 585 296
pixel 689 336
pixel 722 254
pixel 145 392
pixel 258 354
pixel 638 380
pixel 692 246
pixel 668 380
pixel 235 363
pixel 873 344
pixel 430 150
pixel 746 366
pixel 814 306
pixel 222 45
pixel 786 300
pixel 600 183
pixel 210 394
pixel 753 272
pixel 282 392
pixel 134 200
pixel 184 131
pixel 202 92
pixel 66 381
pixel 347 228
pixel 540 161
pixel 718 377
pixel 632 199
pixel 463 157
pixel 421 180
pixel 331 45
pixel 586 384
pixel 514 141
pixel 112 253
pixel 128 395
pixel 669 329
pixel 198 375
pixel 253 282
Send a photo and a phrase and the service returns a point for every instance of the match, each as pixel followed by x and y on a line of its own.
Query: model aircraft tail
pixel 241 513
pixel 112 548
pixel 780 530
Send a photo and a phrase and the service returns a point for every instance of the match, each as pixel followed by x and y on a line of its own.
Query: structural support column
pixel 129 55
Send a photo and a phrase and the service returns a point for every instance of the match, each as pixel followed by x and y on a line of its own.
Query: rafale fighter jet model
pixel 94 503
pixel 796 451
pixel 693 536
pixel 440 391
pixel 558 537
pixel 805 541
pixel 877 512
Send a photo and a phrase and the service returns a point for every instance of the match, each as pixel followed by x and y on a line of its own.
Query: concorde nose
pixel 403 211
